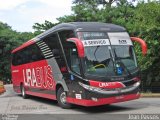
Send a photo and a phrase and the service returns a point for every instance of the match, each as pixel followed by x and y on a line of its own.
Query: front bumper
pixel 114 91
pixel 103 101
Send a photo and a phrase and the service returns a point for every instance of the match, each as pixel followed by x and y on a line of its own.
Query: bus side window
pixel 14 59
pixel 56 53
pixel 34 53
pixel 70 50
pixel 64 35
pixel 53 43
pixel 74 60
pixel 17 58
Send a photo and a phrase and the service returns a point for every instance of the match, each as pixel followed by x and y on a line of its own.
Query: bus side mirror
pixel 142 43
pixel 79 45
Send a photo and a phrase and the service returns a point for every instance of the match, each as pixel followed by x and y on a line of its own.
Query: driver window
pixel 74 60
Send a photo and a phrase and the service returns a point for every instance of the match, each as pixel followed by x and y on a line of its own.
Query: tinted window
pixel 52 42
pixel 34 53
pixel 74 60
pixel 70 50
pixel 64 35
pixel 29 54
pixel 17 58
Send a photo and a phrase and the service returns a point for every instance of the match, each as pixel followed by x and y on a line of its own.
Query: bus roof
pixel 84 26
pixel 76 26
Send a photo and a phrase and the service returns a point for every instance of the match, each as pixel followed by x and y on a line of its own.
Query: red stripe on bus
pixel 103 101
pixel 109 85
pixel 53 97
pixel 30 42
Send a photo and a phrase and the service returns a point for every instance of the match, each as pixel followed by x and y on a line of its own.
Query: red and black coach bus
pixel 84 63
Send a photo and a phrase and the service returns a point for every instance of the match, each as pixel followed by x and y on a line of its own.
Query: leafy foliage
pixel 9 40
pixel 39 28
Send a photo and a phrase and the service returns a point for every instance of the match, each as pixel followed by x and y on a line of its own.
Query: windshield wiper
pixel 95 52
pixel 113 61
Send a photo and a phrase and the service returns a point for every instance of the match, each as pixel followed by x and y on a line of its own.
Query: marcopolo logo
pixel 122 41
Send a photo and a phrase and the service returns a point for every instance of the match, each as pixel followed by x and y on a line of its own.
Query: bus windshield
pixel 102 59
pixel 98 60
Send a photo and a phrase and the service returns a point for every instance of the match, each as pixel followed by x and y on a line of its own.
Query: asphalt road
pixel 12 103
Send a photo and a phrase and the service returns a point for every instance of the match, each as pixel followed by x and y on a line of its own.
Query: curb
pixel 150 95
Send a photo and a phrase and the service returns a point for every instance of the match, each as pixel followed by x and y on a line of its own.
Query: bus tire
pixel 61 98
pixel 23 92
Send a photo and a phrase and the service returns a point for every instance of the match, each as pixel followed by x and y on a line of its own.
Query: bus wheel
pixel 23 92
pixel 61 98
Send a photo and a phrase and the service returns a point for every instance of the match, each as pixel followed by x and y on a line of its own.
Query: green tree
pixel 9 40
pixel 85 10
pixel 39 28
pixel 147 26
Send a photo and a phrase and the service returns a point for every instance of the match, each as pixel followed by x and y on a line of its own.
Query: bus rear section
pixel 88 64
pixel 31 73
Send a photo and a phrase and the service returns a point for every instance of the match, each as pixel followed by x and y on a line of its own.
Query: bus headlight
pixel 91 88
pixel 137 84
